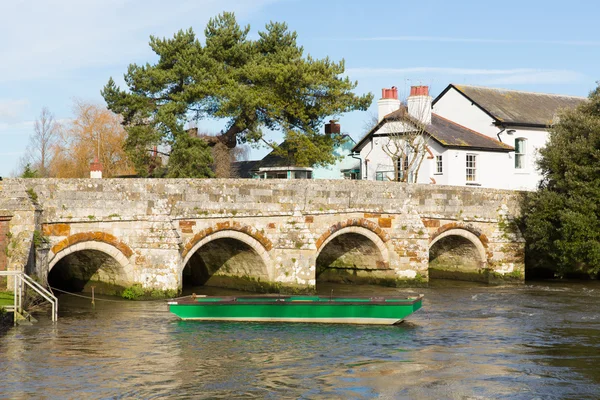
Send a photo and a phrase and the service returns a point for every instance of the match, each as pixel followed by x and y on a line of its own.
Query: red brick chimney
pixel 332 127
pixel 96 169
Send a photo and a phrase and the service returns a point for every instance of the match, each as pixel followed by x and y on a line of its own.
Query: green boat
pixel 276 308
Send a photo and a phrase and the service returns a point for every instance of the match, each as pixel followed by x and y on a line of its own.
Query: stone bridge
pixel 275 235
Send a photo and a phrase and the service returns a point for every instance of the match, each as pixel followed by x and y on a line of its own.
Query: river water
pixel 469 341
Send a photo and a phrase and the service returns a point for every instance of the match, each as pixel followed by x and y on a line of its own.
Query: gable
pixel 447 133
pixel 515 107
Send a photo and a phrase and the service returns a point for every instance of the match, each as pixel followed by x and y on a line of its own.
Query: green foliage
pixel 133 292
pixel 249 84
pixel 29 172
pixel 137 292
pixel 39 239
pixel 32 195
pixel 190 158
pixel 6 299
pixel 561 221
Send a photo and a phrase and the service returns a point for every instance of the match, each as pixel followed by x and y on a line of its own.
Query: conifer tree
pixel 249 84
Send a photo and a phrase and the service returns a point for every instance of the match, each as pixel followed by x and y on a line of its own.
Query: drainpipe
pixel 356 156
pixel 498 134
pixel 367 160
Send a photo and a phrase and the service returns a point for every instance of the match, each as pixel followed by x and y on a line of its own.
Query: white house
pixel 471 136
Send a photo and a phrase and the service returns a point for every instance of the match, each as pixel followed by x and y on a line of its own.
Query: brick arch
pixel 458 225
pixel 100 241
pixel 227 226
pixel 260 249
pixel 469 232
pixel 367 233
pixel 356 222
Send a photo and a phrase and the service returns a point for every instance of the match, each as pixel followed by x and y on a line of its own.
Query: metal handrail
pixel 20 278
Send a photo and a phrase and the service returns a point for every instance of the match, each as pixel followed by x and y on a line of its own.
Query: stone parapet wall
pixel 152 226
pixel 108 199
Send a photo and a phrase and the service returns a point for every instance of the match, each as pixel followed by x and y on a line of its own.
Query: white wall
pixel 526 178
pixel 457 108
pixel 377 159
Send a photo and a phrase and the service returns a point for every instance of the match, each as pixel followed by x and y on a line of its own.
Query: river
pixel 469 341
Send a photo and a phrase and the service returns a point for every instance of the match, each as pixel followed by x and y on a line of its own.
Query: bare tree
pixel 39 150
pixel 407 144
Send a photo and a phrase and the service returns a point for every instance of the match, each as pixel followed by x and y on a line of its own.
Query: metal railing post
pixel 15 300
pixel 21 278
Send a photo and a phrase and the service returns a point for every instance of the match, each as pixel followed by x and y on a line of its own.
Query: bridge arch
pixel 352 253
pixel 354 222
pixel 101 241
pixel 369 234
pixel 228 255
pixel 455 250
pixel 96 256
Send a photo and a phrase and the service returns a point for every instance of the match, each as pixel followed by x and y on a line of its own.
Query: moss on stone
pixel 251 284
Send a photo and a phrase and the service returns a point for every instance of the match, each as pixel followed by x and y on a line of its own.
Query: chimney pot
pixel 419 104
pixel 391 93
pixel 388 103
pixel 419 90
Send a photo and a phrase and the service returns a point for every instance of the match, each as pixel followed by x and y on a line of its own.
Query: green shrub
pixel 133 292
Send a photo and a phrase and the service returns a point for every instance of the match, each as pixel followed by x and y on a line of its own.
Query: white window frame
pixel 471 168
pixel 439 165
pixel 521 157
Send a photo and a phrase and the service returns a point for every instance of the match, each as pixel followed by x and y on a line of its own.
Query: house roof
pixel 447 133
pixel 515 107
pixel 244 168
pixel 271 160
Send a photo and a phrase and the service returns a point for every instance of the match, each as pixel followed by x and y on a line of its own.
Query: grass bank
pixel 6 299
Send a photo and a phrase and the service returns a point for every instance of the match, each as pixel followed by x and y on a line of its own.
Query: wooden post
pixel 93 302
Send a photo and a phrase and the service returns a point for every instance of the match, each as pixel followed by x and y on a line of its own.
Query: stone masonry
pixel 153 227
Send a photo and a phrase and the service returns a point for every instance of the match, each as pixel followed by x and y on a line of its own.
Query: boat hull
pixel 298 309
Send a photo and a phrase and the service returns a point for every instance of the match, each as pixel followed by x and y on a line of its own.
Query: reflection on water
pixel 468 341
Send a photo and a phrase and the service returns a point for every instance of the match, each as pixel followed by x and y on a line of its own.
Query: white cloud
pixel 445 39
pixel 17 129
pixel 49 38
pixel 486 76
pixel 11 109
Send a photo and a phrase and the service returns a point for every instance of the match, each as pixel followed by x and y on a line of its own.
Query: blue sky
pixel 53 51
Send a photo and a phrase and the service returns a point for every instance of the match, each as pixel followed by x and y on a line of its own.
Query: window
pixel 439 167
pixel 520 153
pixel 384 175
pixel 471 167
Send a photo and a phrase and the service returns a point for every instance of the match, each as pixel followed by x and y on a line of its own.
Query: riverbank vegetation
pixel 6 299
pixel 137 292
pixel 561 221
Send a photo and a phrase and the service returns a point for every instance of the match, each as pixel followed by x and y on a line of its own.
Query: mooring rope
pixel 110 300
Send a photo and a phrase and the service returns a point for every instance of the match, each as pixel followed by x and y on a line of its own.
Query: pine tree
pixel 249 84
